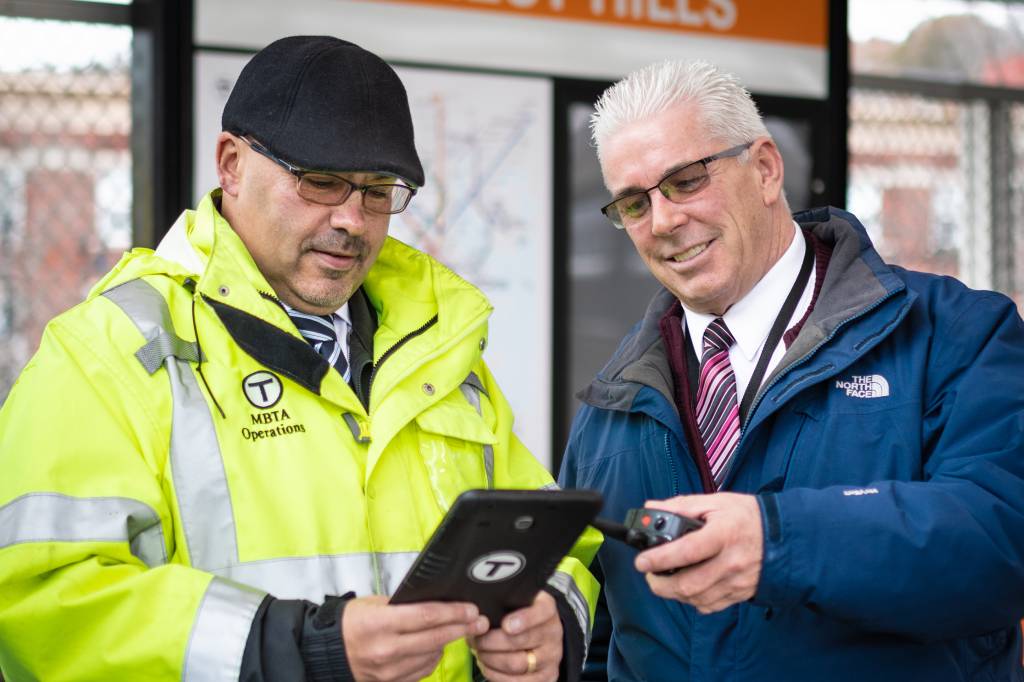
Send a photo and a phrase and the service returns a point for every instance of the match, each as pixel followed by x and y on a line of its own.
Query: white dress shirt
pixel 751 318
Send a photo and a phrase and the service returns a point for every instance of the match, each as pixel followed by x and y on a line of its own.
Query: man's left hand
pixel 716 566
pixel 528 646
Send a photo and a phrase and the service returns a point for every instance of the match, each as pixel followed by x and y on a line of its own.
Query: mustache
pixel 338 242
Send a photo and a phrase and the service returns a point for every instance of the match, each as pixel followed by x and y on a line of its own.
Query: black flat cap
pixel 325 104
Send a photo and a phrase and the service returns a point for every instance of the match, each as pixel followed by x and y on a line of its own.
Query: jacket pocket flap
pixel 454 420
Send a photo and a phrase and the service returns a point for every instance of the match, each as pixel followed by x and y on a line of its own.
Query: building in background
pixel 65 178
pixel 936 138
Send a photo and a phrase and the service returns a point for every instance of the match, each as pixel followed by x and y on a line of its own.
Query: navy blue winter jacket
pixel 887 454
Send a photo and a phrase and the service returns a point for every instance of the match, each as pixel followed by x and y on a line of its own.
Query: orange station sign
pixel 798 22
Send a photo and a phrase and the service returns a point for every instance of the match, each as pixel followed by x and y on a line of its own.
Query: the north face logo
pixel 867 386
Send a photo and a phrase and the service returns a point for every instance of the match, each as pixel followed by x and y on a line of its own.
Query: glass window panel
pixel 609 285
pixel 917 177
pixel 65 172
pixel 1017 203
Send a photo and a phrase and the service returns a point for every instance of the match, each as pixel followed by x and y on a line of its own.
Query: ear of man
pixel 229 163
pixel 766 161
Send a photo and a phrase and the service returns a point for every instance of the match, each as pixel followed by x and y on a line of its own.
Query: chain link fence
pixel 1016 211
pixel 923 179
pixel 909 180
pixel 65 177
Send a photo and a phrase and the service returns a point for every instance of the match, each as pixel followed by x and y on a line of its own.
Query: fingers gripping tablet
pixel 497 548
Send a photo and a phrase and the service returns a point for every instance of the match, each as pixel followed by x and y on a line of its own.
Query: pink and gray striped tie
pixel 718 412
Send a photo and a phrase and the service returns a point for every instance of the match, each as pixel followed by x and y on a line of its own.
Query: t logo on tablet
pixel 496 566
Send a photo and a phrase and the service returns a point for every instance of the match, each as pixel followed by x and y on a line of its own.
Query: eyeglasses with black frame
pixel 329 189
pixel 677 187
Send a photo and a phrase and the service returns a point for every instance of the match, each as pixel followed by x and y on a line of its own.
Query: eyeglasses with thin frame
pixel 678 186
pixel 332 190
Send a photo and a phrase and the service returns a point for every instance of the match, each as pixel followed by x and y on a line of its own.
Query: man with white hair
pixel 850 432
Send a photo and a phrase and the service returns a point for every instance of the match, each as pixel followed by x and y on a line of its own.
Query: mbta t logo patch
pixel 262 389
pixel 497 566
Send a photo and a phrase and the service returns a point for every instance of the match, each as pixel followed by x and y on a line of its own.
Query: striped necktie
pixel 319 331
pixel 718 413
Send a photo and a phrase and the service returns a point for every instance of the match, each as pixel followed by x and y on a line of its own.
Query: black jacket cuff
pixel 293 639
pixel 323 647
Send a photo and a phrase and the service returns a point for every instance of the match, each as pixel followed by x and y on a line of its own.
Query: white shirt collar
pixel 751 318
pixel 343 313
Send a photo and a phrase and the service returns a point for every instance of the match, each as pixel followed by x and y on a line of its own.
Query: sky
pixel 30 43
pixel 894 19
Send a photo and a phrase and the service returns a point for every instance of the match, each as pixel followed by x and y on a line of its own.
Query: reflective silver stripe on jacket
pixel 52 517
pixel 564 583
pixel 200 483
pixel 219 633
pixel 471 388
pixel 314 578
pixel 393 566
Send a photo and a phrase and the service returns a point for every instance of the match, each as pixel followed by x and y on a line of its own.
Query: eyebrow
pixel 629 191
pixel 680 166
pixel 636 189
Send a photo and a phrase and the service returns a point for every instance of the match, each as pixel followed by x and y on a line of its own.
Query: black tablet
pixel 497 548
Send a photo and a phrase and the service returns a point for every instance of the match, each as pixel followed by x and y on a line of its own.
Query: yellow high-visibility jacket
pixel 150 501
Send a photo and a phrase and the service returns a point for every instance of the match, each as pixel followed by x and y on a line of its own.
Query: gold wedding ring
pixel 531 661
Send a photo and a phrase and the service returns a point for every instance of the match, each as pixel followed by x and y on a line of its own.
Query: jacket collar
pixel 856 281
pixel 414 286
pixel 405 289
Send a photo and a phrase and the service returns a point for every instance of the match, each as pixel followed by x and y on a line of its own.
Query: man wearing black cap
pixel 220 464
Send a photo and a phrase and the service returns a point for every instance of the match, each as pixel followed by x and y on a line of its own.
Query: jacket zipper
pixel 398 344
pixel 389 352
pixel 377 571
pixel 672 466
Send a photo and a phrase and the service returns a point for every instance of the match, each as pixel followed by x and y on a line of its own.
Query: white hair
pixel 726 111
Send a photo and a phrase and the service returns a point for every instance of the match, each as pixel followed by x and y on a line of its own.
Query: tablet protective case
pixel 497 548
